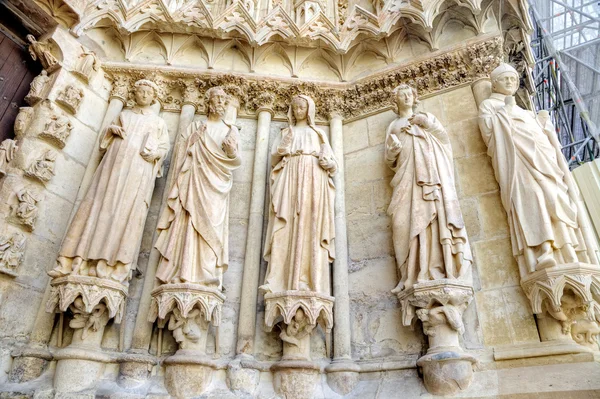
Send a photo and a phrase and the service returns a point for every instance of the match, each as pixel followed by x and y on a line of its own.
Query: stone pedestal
pixel 440 304
pixel 93 302
pixel 566 299
pixel 187 310
pixel 296 376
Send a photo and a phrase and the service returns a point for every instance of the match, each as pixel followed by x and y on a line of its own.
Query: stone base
pixel 295 379
pixel 188 374
pixel 135 370
pixel 342 376
pixel 447 372
pixel 242 380
pixel 79 368
pixel 27 368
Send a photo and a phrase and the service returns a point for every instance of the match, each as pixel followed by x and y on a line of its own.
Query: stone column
pixel 342 373
pixel 135 370
pixel 247 318
pixel 242 378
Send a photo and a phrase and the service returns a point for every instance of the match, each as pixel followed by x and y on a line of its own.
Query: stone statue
pixel 194 227
pixel 37 87
pixel 26 210
pixel 41 51
pixel 430 240
pixel 57 129
pixel 42 168
pixel 23 120
pixel 103 239
pixel 301 230
pixel 8 148
pixel 88 62
pixel 71 98
pixel 11 252
pixel 530 169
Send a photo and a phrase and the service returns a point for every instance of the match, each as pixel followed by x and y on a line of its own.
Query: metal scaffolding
pixel 566 46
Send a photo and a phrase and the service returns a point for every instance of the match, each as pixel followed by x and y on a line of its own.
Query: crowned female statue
pixel 301 230
pixel 104 237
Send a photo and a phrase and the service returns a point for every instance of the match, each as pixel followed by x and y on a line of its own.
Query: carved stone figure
pixel 542 212
pixel 104 236
pixel 41 51
pixel 193 228
pixel 26 210
pixel 57 129
pixel 11 253
pixel 7 152
pixel 70 98
pixel 88 62
pixel 189 332
pixel 87 321
pixel 42 168
pixel 37 86
pixel 550 232
pixel 23 120
pixel 301 230
pixel 430 240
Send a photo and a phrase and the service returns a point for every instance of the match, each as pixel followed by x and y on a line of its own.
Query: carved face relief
pixel 506 84
pixel 217 103
pixel 300 108
pixel 405 98
pixel 144 95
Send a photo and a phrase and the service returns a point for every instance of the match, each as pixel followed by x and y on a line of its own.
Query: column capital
pixel 266 108
pixel 335 115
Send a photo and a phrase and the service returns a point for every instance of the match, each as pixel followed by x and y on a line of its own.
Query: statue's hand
pixel 229 145
pixel 285 144
pixel 149 152
pixel 420 120
pixel 394 145
pixel 117 131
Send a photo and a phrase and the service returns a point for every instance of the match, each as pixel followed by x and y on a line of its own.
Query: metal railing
pixel 566 43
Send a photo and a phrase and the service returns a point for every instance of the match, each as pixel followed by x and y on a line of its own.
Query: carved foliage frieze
pixel 444 71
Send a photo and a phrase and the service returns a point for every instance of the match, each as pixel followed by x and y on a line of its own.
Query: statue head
pixel 302 108
pixel 405 97
pixel 146 92
pixel 31 39
pixel 505 80
pixel 217 101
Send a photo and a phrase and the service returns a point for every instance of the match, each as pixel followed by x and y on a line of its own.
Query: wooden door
pixel 17 70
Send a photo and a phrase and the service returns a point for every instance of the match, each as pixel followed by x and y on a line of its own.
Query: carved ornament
pixel 92 290
pixel 185 298
pixel 444 71
pixel 70 98
pixel 316 307
pixel 12 251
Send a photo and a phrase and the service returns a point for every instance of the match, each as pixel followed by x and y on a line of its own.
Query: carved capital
pixel 92 290
pixel 317 308
pixel 185 297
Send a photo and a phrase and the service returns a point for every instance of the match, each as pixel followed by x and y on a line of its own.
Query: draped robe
pixel 301 230
pixel 194 227
pixel 424 208
pixel 107 229
pixel 533 187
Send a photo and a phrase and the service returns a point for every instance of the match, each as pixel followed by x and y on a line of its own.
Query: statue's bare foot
pixel 545 262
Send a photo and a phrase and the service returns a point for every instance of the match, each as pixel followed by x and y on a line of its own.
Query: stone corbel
pixel 93 302
pixel 566 299
pixel 187 310
pixel 440 305
pixel 299 312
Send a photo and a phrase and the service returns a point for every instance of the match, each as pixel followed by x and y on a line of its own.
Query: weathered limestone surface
pixel 187 48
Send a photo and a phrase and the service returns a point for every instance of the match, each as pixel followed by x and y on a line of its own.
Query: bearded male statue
pixel 194 227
